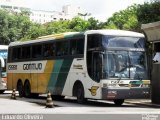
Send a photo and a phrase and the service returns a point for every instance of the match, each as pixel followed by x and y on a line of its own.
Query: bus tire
pixel 80 94
pixel 118 102
pixel 57 97
pixel 2 91
pixel 35 95
pixel 27 89
pixel 20 88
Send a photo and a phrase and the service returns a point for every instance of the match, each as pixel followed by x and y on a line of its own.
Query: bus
pixel 3 74
pixel 95 64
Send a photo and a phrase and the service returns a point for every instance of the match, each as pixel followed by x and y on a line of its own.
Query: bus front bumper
pixel 127 93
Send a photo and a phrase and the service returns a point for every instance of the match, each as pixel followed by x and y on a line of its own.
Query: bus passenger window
pixel 80 46
pixel 73 46
pixel 16 54
pixel 62 48
pixel 49 50
pixel 37 51
pixel 25 52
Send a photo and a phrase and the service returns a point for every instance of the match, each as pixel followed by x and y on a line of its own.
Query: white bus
pixel 96 64
pixel 3 74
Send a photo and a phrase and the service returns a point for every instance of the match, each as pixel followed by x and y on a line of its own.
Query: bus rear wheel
pixel 20 89
pixel 27 89
pixel 2 91
pixel 57 97
pixel 118 102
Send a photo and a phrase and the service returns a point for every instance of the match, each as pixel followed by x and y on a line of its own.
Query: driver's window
pixel 97 66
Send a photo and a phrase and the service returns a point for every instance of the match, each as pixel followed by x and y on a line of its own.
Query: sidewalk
pixel 142 102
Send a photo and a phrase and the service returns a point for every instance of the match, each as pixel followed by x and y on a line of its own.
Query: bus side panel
pixel 9 81
pixel 78 72
pixel 43 78
pixel 54 76
pixel 59 76
pixel 34 83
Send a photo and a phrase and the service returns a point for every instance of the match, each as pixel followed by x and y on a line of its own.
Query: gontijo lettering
pixel 32 66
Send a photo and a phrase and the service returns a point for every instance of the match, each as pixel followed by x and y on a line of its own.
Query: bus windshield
pixel 122 41
pixel 124 64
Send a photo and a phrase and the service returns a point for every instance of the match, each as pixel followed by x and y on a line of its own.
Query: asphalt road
pixel 69 109
pixel 70 106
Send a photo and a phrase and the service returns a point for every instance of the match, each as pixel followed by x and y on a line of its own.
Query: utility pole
pixel 84 15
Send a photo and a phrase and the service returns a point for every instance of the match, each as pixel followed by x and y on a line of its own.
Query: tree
pixel 57 27
pixel 124 19
pixel 78 24
pixel 149 12
pixel 93 24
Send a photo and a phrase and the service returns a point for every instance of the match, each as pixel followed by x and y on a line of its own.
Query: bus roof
pixel 74 34
pixel 115 32
pixel 49 37
pixel 3 47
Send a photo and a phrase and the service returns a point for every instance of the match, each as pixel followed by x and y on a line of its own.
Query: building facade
pixel 41 16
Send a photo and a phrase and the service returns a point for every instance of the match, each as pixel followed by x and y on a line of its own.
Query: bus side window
pixel 26 52
pixel 49 50
pixel 10 50
pixel 37 51
pixel 16 54
pixel 62 48
pixel 80 46
pixel 73 47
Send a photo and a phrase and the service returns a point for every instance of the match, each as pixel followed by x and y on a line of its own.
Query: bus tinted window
pixel 77 46
pixel 73 47
pixel 80 46
pixel 16 54
pixel 62 48
pixel 49 50
pixel 26 52
pixel 94 41
pixel 37 51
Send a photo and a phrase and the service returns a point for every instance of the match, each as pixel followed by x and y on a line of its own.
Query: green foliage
pixel 78 24
pixel 57 27
pixel 125 19
pixel 149 12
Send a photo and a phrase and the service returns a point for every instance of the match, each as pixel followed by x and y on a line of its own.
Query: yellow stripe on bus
pixel 43 78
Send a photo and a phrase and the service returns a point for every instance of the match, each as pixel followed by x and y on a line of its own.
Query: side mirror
pixel 2 63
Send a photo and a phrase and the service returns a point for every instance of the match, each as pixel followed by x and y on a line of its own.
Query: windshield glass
pixel 122 41
pixel 124 64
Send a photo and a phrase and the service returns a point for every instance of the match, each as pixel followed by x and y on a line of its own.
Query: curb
pixel 146 104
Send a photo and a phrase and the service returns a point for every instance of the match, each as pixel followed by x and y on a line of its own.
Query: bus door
pixel 96 66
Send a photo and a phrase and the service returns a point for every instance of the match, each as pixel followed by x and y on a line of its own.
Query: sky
pixel 100 9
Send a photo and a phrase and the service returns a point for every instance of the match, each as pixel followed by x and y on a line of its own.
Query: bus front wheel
pixel 80 94
pixel 118 102
pixel 27 89
pixel 20 89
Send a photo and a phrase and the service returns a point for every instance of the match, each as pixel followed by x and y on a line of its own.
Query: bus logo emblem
pixel 93 90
